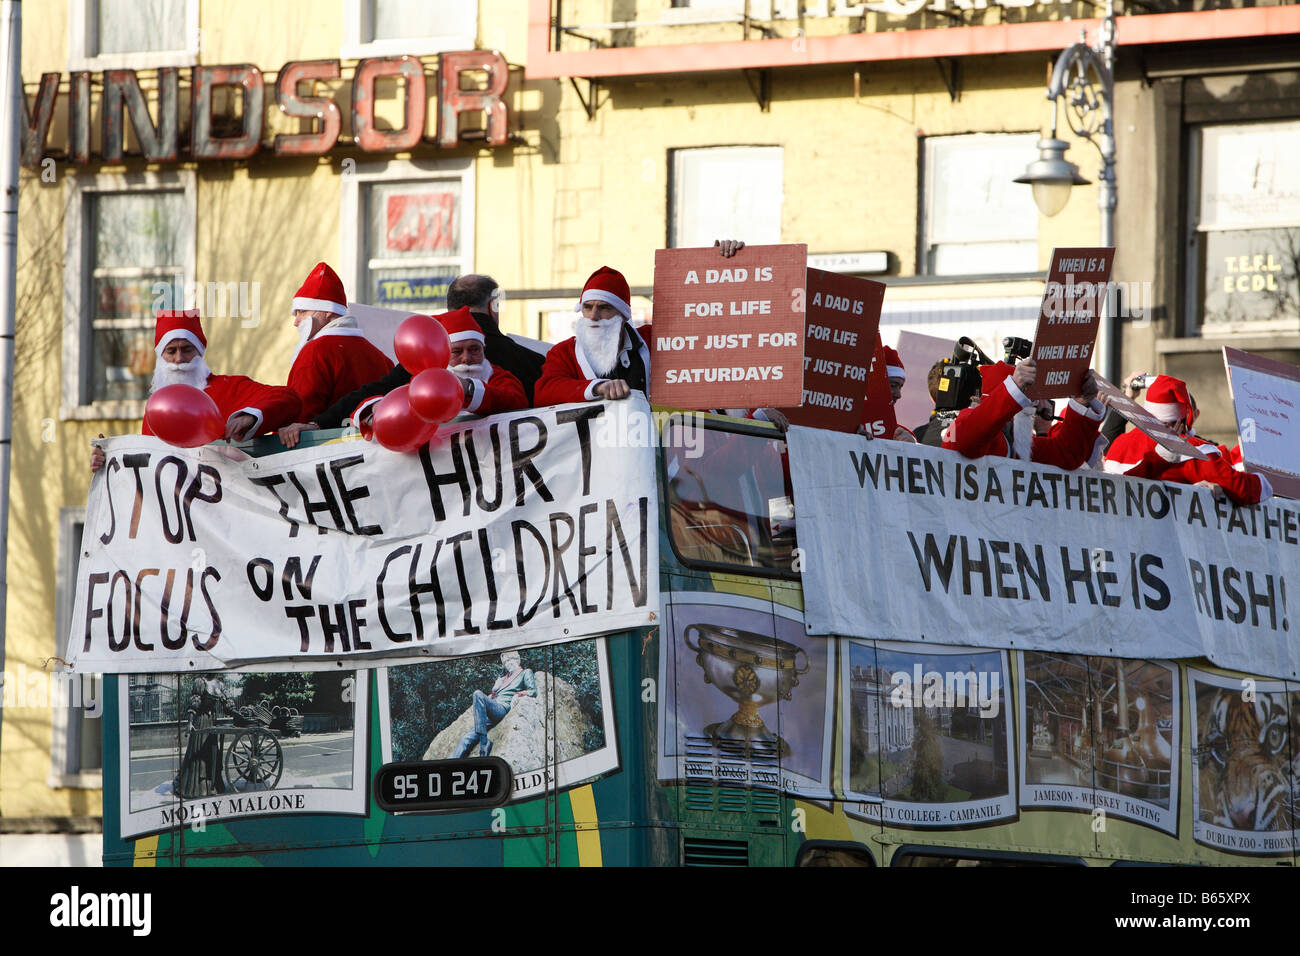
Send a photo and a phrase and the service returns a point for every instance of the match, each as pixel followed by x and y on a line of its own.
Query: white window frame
pixel 739 152
pixel 927 235
pixel 357 26
pixel 1197 237
pixel 65 768
pixel 83 20
pixel 74 404
pixel 353 227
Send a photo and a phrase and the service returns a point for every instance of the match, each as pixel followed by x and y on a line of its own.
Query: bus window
pixel 818 853
pixel 961 856
pixel 729 500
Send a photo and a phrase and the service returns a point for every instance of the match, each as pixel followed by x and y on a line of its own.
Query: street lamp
pixel 1051 175
pixel 1083 80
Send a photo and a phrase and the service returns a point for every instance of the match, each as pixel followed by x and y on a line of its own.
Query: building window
pixel 417 27
pixel 104 34
pixel 974 219
pixel 77 701
pixel 726 192
pixel 129 244
pixel 1246 227
pixel 408 231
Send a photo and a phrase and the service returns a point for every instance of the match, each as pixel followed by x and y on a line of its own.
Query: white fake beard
pixel 600 342
pixel 1022 434
pixel 482 372
pixel 304 335
pixel 194 372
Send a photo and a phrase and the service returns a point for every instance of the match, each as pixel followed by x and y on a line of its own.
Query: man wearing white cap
pixel 608 358
pixel 334 356
pixel 248 407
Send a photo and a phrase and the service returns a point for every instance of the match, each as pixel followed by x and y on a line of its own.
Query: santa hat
pixel 1168 400
pixel 893 364
pixel 461 326
pixel 607 285
pixel 322 292
pixel 179 325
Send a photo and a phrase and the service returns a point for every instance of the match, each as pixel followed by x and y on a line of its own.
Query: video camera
pixel 1015 348
pixel 961 380
pixel 959 383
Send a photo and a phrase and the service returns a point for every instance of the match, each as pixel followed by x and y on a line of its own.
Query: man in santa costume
pixel 334 357
pixel 608 358
pixel 1137 454
pixel 1003 423
pixel 487 389
pixel 249 408
pixel 897 375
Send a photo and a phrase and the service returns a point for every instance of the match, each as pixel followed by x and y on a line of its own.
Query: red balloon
pixel 184 416
pixel 421 342
pixel 436 395
pixel 398 428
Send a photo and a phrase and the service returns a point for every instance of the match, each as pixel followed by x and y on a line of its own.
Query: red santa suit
pixel 273 406
pixel 568 375
pixel 1137 454
pixel 978 431
pixel 338 359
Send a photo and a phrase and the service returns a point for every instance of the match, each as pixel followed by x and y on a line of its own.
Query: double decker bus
pixel 721 733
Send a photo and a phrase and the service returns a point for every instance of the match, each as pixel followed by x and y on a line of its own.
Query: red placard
pixel 1144 421
pixel 1070 317
pixel 843 318
pixel 729 332
pixel 878 414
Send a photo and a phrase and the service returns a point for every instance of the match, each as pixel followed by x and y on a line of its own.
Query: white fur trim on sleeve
pixel 478 392
pixel 257 426
pixel 1014 390
pixel 590 393
pixel 1094 410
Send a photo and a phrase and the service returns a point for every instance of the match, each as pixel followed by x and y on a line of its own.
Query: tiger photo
pixel 1244 759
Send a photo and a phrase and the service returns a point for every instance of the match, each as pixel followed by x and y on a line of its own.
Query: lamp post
pixel 1083 80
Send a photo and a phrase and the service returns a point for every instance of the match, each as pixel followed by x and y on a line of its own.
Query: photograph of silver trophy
pixel 754 670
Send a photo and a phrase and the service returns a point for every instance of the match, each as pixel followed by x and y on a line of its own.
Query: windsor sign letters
pixel 215 134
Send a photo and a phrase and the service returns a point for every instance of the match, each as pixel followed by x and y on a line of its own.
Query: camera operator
pixel 957 386
pixel 1003 422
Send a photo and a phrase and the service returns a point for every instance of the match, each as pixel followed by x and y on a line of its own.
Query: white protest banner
pixel 1266 400
pixel 915 543
pixel 516 530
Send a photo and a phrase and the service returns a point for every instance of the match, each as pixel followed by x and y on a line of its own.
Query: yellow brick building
pixel 883 135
